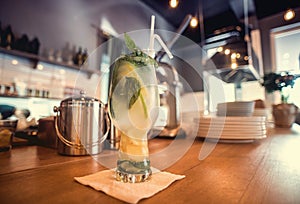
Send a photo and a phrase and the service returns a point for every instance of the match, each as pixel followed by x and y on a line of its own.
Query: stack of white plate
pixel 239 129
pixel 237 108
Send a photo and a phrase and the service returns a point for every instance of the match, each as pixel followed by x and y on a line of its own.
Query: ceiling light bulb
pixel 220 49
pixel 227 52
pixel 14 62
pixel 233 56
pixel 173 3
pixel 62 71
pixel 40 67
pixel 234 65
pixel 194 22
pixel 289 14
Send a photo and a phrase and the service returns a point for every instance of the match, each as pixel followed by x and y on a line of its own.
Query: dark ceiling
pixel 217 13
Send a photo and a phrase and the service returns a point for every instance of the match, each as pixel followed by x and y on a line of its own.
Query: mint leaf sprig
pixel 130 43
pixel 137 56
pixel 133 86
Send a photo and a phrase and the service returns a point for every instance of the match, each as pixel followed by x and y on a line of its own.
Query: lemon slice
pixel 125 72
pixel 124 69
pixel 133 146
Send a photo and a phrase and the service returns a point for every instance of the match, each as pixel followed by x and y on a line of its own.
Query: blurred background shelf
pixel 35 59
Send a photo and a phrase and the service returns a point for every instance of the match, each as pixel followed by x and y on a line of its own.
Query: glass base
pixel 129 171
pixel 132 177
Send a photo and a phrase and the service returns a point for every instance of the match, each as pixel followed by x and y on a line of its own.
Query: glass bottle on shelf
pixel 8 38
pixel 22 44
pixel 66 51
pixel 84 55
pixel 34 46
pixel 0 33
pixel 78 57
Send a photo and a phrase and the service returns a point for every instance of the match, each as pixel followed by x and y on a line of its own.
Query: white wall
pixel 57 22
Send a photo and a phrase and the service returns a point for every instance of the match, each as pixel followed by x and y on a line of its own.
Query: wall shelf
pixel 35 59
pixel 28 97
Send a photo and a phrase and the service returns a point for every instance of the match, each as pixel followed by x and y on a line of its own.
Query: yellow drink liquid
pixel 132 99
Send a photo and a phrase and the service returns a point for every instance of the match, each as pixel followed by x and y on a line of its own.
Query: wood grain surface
pixel 266 171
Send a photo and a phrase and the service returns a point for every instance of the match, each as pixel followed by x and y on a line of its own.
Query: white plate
pixel 234 110
pixel 230 141
pixel 234 114
pixel 229 131
pixel 229 123
pixel 232 136
pixel 232 124
pixel 233 131
pixel 232 118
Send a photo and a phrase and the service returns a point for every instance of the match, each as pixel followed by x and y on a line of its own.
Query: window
pixel 285 46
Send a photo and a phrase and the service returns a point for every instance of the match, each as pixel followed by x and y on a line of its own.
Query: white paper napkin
pixel 128 192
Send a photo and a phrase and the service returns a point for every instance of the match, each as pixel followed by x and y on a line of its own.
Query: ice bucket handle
pixel 74 144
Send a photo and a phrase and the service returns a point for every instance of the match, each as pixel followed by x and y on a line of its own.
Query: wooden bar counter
pixel 265 171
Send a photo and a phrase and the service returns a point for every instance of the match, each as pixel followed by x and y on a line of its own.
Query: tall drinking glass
pixel 132 106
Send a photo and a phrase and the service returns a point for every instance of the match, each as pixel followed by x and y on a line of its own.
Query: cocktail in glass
pixel 133 103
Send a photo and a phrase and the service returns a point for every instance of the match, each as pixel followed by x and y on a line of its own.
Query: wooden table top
pixel 266 171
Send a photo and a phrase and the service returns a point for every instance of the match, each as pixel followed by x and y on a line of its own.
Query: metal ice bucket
pixel 81 125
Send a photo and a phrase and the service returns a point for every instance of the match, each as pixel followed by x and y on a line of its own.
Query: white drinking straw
pixel 151 42
pixel 164 46
pixel 151 50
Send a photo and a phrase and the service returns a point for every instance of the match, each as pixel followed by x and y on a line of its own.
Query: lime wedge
pixel 125 70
